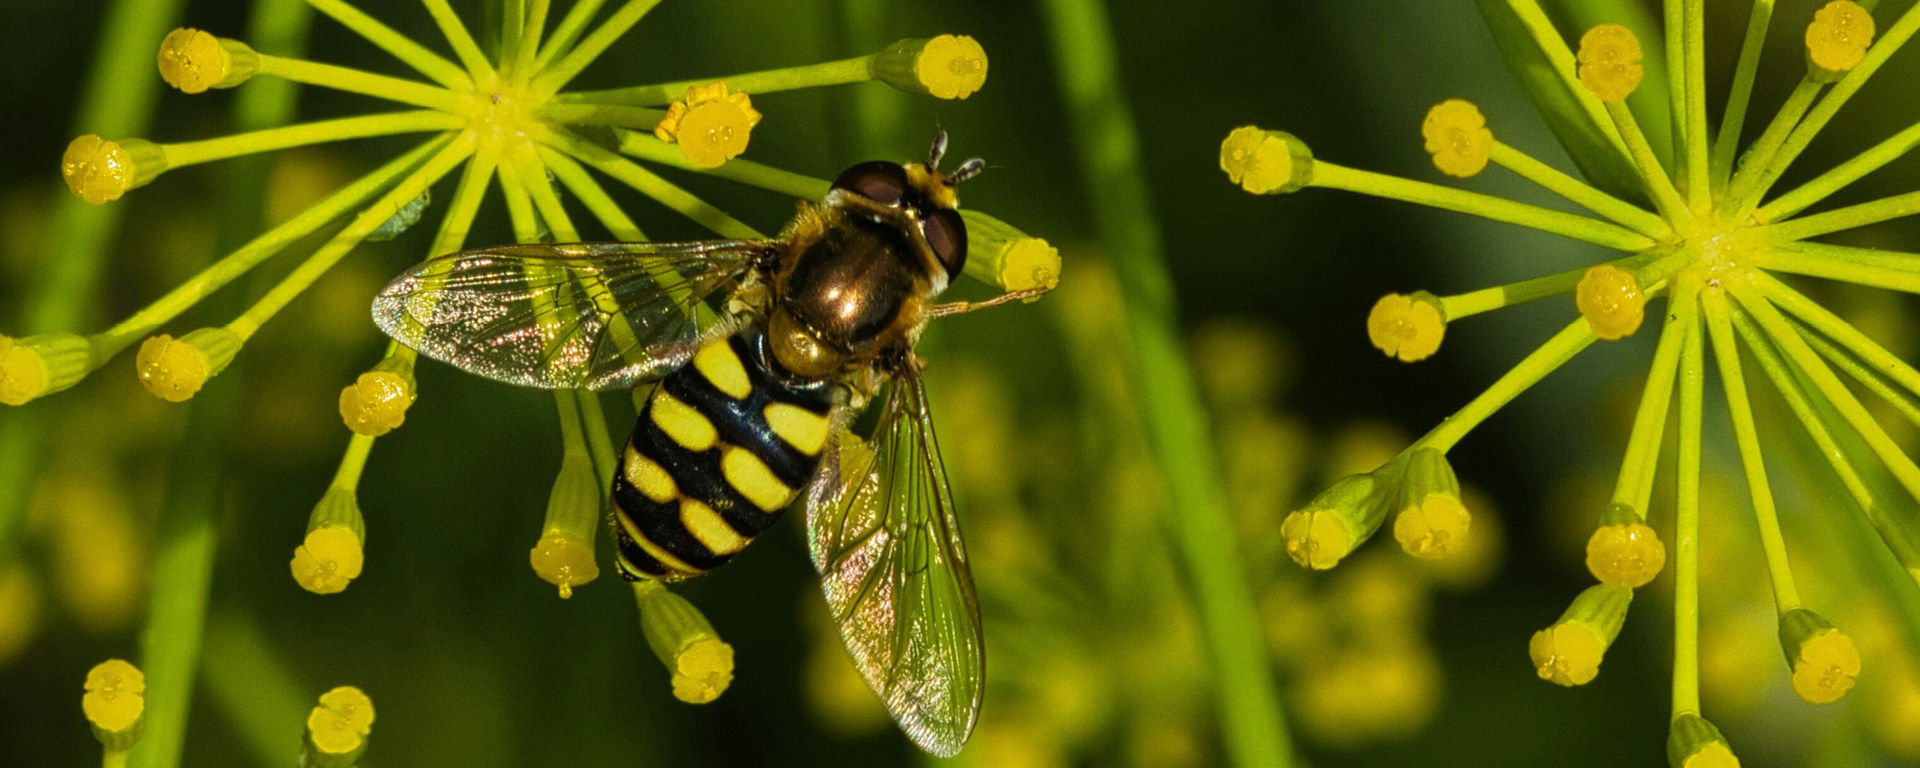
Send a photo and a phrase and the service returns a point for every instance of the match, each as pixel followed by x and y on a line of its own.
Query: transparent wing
pixel 568 315
pixel 888 548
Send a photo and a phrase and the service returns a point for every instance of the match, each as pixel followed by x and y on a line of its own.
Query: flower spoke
pixel 1330 176
pixel 1544 360
pixel 402 47
pixel 1786 595
pixel 1686 521
pixel 464 46
pixel 1727 144
pixel 1892 271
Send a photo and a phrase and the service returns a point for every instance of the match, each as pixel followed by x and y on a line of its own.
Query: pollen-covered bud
pixel 1825 661
pixel 41 365
pixel 711 125
pixel 193 61
pixel 1837 40
pixel 1624 551
pixel 1458 138
pixel 1266 162
pixel 114 705
pixel 331 557
pixel 100 171
pixel 1341 518
pixel 701 665
pixel 1610 62
pixel 1695 743
pixel 1407 327
pixel 1007 258
pixel 338 729
pixel 1433 522
pixel 944 67
pixel 174 370
pixel 1569 652
pixel 1611 300
pixel 564 554
pixel 376 403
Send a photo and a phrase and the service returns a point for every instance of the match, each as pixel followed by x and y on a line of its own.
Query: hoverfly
pixel 762 351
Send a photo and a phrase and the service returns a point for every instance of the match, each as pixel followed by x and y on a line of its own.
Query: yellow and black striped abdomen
pixel 719 451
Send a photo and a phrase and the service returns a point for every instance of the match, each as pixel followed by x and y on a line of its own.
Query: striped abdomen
pixel 721 448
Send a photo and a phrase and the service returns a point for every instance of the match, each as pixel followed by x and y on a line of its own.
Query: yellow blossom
pixel 174 370
pixel 100 171
pixel 1612 302
pixel 1434 528
pixel 1458 138
pixel 711 125
pixel 329 560
pixel 1693 742
pixel 1266 162
pixel 193 61
pixel 951 66
pixel 1625 554
pixel 113 703
pixel 1610 62
pixel 700 663
pixel 376 403
pixel 1315 538
pixel 702 671
pixel 1838 39
pixel 564 561
pixel 1566 654
pixel 40 365
pixel 1407 327
pixel 341 722
pixel 1825 660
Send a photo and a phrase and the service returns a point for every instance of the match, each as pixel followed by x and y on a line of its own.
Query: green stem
pixel 601 114
pixel 605 461
pixel 1850 217
pixel 1579 193
pixel 1635 485
pixel 1699 189
pixel 111 758
pixel 649 184
pixel 591 194
pixel 355 81
pixel 556 77
pixel 529 46
pixel 1842 332
pixel 402 47
pixel 464 46
pixel 1842 175
pixel 1529 371
pixel 1786 596
pixel 284 137
pixel 1727 144
pixel 1247 705
pixel 1500 296
pixel 1872 380
pixel 646 146
pixel 854 70
pixel 1561 58
pixel 1658 185
pixel 1754 165
pixel 1891 272
pixel 569 31
pixel 1673 33
pixel 1330 176
pixel 1686 526
pixel 253 685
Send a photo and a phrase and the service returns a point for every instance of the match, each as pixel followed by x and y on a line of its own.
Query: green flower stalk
pixel 1709 237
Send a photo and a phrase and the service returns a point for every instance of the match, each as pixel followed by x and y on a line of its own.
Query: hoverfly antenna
pixel 939 149
pixel 967 170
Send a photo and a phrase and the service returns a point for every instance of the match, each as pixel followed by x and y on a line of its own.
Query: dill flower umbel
pixel 1706 234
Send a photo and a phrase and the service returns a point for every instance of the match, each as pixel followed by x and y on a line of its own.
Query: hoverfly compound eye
pixel 947 235
pixel 877 180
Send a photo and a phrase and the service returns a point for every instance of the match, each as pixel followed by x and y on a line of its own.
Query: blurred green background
pixel 472 660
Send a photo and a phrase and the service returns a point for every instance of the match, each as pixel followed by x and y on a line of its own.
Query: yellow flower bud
pixel 1825 661
pixel 1433 522
pixel 1266 162
pixel 1624 551
pixel 328 560
pixel 944 67
pixel 1612 302
pixel 1569 652
pixel 564 561
pixel 1693 742
pixel 1837 40
pixel 101 171
pixel 174 370
pixel 338 728
pixel 1007 258
pixel 711 125
pixel 193 61
pixel 1610 62
pixel 41 365
pixel 564 554
pixel 1407 327
pixel 377 402
pixel 1458 138
pixel 1339 519
pixel 113 704
pixel 701 665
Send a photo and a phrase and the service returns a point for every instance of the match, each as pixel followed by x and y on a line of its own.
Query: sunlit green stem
pixel 1635 485
pixel 1699 189
pixel 1500 296
pixel 1798 401
pixel 1330 176
pixel 555 77
pixel 415 55
pixel 528 47
pixel 855 70
pixel 1654 178
pixel 599 443
pixel 109 342
pixel 385 124
pixel 1686 524
pixel 1892 271
pixel 650 148
pixel 1850 217
pixel 1786 596
pixel 1727 144
pixel 1549 357
pixel 1842 175
pixel 1753 165
pixel 1673 31
pixel 1841 331
pixel 1554 47
pixel 602 114
pixel 567 32
pixel 457 35
pixel 296 282
pixel 649 184
pixel 1817 118
pixel 355 81
pixel 1578 192
pixel 591 194
pixel 1872 380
